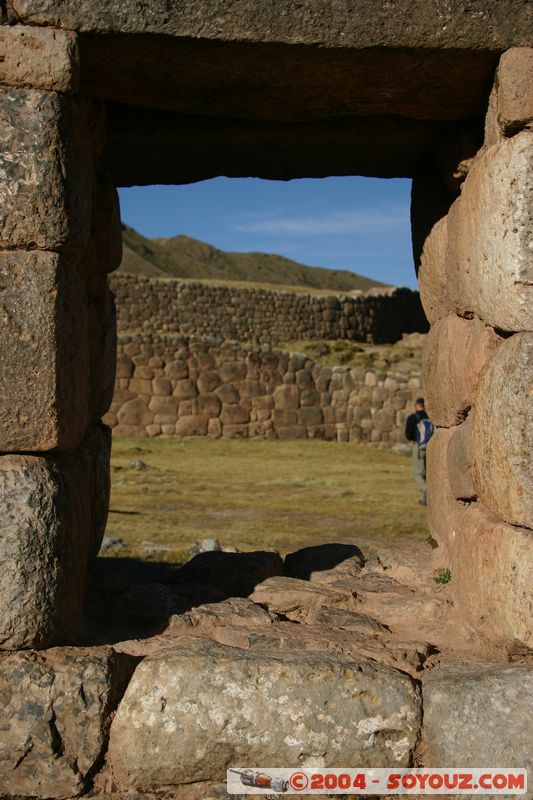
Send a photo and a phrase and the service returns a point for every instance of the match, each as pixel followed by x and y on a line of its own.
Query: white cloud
pixel 353 221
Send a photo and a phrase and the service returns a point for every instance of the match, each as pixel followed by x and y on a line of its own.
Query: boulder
pixel 54 510
pixel 502 432
pixel 235 574
pixel 489 259
pixel 456 351
pixel 478 716
pixel 324 563
pixel 54 717
pixel 257 707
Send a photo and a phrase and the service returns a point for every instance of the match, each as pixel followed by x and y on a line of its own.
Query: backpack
pixel 424 432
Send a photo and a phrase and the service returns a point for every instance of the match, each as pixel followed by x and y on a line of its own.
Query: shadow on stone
pixel 234 574
pixel 132 599
pixel 321 561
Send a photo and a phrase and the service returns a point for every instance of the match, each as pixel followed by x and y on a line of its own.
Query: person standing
pixel 418 430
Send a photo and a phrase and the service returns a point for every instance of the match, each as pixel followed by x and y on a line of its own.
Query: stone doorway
pixel 92 99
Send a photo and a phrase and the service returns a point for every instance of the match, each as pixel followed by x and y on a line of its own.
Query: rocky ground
pixel 333 655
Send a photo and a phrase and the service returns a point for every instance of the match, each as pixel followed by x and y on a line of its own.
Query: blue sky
pixel 354 223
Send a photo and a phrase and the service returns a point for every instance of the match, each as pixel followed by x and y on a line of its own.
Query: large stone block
pixel 514 86
pixel 491 564
pixel 40 58
pixel 502 432
pixel 286 397
pixel 54 511
pixel 442 505
pixel 432 272
pixel 456 351
pixel 44 354
pixel 256 707
pixel 55 714
pixel 478 716
pixel 459 462
pixel 489 254
pixel 46 175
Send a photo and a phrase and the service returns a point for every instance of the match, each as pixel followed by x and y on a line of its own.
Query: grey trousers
pixel 418 457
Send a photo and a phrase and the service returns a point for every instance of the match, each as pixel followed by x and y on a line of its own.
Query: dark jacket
pixel 411 423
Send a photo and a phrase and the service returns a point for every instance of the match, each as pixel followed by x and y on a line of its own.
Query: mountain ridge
pixel 184 257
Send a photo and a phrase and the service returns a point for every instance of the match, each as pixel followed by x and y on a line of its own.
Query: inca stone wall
pixel 476 284
pixel 259 315
pixel 98 95
pixel 170 385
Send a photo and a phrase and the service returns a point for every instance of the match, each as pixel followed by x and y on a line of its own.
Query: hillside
pixel 183 257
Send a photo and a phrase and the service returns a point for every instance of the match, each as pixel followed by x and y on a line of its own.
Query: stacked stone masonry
pixel 59 236
pixel 73 128
pixel 171 385
pixel 476 285
pixel 259 315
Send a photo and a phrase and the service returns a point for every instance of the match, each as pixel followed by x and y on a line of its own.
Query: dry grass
pixel 258 494
pixel 404 356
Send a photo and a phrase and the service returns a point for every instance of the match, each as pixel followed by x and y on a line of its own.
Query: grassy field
pixel 257 494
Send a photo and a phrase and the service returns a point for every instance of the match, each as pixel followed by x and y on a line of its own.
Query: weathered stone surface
pixel 491 564
pixel 432 272
pixel 40 58
pixel 456 351
pixel 54 717
pixel 459 461
pixel 290 637
pixel 235 574
pixel 192 425
pixel 499 26
pixel 514 83
pixel 54 511
pixel 388 600
pixel 247 710
pixel 479 716
pixel 135 412
pixel 46 189
pixel 502 432
pixel 294 598
pixel 441 502
pixel 489 257
pixel 235 612
pixel 324 563
pixel 44 359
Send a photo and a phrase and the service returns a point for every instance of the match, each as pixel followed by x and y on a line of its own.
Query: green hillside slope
pixel 183 257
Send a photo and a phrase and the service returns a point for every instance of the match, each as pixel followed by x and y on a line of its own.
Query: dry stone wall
pixel 476 284
pixel 173 385
pixel 260 315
